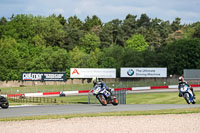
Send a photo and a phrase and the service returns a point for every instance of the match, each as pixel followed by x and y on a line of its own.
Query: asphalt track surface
pixel 20 111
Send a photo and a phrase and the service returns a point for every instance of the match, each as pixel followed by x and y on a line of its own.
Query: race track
pixel 19 111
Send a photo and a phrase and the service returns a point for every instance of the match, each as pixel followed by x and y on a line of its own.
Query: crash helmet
pixel 94 80
pixel 181 79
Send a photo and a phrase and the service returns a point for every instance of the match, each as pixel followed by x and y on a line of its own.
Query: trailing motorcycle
pixel 187 94
pixel 4 102
pixel 104 96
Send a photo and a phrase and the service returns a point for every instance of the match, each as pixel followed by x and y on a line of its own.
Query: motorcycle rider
pixel 100 83
pixel 182 81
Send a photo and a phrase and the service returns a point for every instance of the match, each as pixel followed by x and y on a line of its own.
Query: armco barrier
pixel 86 91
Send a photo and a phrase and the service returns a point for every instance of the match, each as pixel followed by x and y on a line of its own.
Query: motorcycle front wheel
pixel 4 102
pixel 5 105
pixel 115 101
pixel 187 98
pixel 193 102
pixel 102 99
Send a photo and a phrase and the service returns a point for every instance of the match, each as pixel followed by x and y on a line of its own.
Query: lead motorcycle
pixel 187 94
pixel 4 102
pixel 104 96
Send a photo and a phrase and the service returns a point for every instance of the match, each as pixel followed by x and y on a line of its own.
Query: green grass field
pixel 158 98
pixel 143 98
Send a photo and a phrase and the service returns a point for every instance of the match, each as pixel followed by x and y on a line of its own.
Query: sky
pixel 106 10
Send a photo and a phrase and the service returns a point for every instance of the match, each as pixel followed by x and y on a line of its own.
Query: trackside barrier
pixel 87 91
pixel 119 93
pixel 20 99
pixel 121 96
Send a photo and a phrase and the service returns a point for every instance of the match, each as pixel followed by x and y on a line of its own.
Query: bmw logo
pixel 130 72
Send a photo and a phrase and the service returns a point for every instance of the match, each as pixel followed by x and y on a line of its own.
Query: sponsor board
pixel 92 72
pixel 143 72
pixel 191 73
pixel 43 76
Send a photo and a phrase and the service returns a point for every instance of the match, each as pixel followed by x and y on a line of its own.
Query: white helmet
pixel 180 79
pixel 94 79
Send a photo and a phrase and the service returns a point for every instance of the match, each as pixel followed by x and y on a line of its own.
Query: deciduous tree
pixel 137 42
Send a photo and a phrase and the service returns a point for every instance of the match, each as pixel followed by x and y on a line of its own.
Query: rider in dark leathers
pixel 101 84
pixel 182 81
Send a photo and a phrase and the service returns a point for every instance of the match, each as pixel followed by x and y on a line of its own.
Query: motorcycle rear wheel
pixel 102 99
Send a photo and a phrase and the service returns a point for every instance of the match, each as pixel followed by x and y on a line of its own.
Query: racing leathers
pixel 179 87
pixel 102 85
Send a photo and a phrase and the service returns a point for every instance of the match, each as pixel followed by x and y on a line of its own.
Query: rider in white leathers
pixel 182 81
pixel 100 83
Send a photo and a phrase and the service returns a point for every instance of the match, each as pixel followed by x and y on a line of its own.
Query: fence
pixel 120 95
pixel 32 99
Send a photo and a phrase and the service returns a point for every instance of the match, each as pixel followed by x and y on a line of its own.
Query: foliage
pixel 9 59
pixel 91 22
pixel 129 26
pixel 182 54
pixel 54 43
pixel 144 21
pixel 78 58
pixel 89 42
pixel 176 24
pixel 93 59
pixel 197 30
pixel 132 58
pixel 137 42
pixel 74 31
pixel 106 36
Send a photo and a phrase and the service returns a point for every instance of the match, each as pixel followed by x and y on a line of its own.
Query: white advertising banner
pixel 92 72
pixel 143 72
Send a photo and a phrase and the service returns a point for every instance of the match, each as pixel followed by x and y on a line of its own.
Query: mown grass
pixel 124 113
pixel 158 98
pixel 142 98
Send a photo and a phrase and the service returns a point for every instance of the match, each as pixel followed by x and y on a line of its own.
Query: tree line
pixel 55 44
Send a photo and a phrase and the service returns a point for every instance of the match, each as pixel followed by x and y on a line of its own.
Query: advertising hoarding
pixel 191 73
pixel 143 72
pixel 92 72
pixel 43 76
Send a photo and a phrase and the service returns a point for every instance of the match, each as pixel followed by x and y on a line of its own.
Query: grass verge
pixel 124 113
pixel 158 98
pixel 142 98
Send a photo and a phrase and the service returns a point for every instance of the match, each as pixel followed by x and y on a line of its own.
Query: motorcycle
pixel 105 97
pixel 4 102
pixel 187 94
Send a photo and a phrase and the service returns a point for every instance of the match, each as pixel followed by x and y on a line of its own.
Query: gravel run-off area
pixel 172 123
